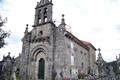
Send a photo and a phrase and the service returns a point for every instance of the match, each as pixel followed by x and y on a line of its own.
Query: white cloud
pixel 90 20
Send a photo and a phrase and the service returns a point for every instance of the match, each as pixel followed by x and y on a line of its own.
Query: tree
pixel 3 34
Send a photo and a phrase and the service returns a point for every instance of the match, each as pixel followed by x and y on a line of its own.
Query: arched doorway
pixel 41 69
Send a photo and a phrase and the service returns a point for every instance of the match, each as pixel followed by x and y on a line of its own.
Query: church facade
pixel 51 52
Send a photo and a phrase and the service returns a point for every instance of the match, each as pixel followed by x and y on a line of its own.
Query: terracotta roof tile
pixel 75 39
pixel 88 44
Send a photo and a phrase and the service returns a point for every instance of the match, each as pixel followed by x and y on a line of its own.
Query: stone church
pixel 50 52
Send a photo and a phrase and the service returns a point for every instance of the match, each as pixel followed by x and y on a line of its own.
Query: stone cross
pixel 99 50
pixel 8 53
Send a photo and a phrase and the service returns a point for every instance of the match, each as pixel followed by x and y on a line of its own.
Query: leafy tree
pixel 3 34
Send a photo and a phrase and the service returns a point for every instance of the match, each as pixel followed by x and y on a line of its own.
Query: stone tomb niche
pixel 41 69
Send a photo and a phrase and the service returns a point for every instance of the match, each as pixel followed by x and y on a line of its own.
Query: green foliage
pixel 18 76
pixel 3 34
pixel 117 71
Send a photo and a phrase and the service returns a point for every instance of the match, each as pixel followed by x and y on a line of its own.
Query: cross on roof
pixel 99 50
pixel 8 53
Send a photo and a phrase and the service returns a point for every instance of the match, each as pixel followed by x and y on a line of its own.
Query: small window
pixel 81 52
pixel 41 32
pixel 82 64
pixel 18 69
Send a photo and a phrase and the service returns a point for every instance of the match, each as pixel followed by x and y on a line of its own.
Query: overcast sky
pixel 95 21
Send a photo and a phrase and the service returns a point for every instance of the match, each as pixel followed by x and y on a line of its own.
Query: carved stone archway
pixel 39 62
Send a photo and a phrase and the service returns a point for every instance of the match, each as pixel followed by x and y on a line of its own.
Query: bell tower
pixel 43 12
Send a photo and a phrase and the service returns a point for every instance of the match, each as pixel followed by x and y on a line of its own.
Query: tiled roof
pixel 82 43
pixel 88 44
pixel 75 39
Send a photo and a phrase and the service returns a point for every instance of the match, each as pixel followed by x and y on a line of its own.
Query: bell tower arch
pixel 39 44
pixel 43 12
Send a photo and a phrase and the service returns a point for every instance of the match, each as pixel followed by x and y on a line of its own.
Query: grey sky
pixel 96 21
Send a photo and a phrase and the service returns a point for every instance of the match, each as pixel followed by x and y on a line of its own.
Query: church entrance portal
pixel 41 69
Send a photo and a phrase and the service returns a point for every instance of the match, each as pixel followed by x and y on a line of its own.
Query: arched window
pixel 41 32
pixel 39 16
pixel 45 14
